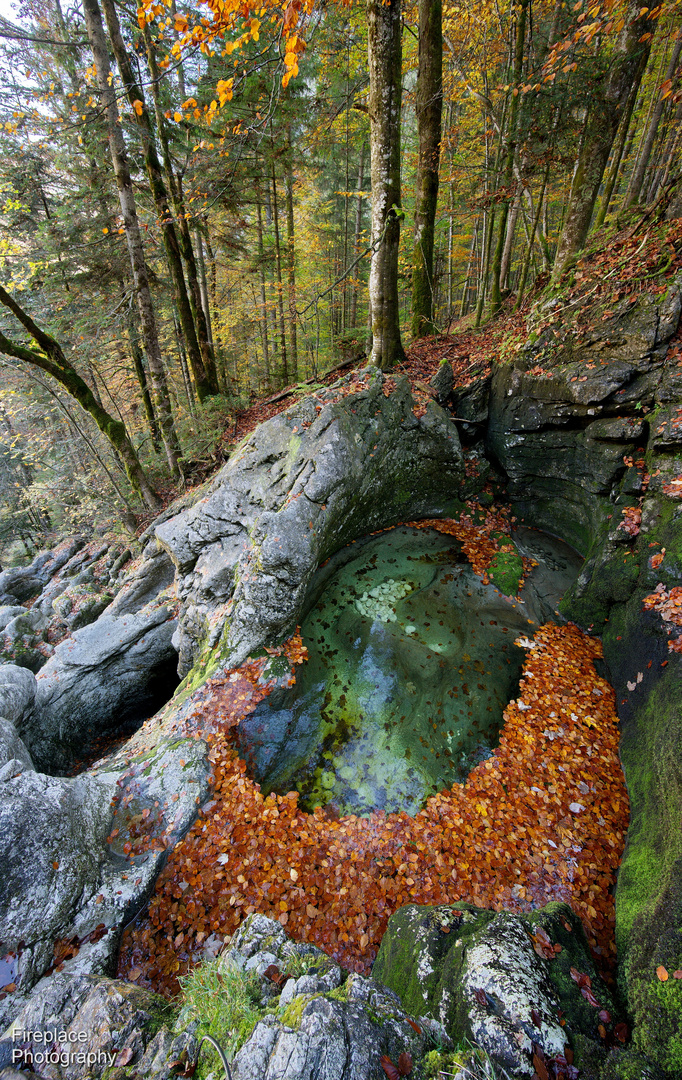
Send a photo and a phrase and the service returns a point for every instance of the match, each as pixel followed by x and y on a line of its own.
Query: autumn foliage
pixel 543 819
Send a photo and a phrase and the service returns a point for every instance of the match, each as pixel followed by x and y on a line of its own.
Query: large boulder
pixel 310 480
pixel 499 979
pixel 93 680
pixel 52 833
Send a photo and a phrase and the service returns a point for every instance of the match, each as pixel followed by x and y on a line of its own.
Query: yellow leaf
pixel 138 106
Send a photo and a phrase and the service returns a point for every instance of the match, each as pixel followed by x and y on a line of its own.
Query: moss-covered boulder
pixel 500 979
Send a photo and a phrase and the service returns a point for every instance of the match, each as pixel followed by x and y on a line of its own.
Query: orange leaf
pixel 662 973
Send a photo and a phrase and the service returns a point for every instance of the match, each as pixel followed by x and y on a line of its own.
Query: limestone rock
pixel 302 486
pixel 12 749
pixel 52 834
pixel 92 679
pixel 109 1022
pixel 478 973
pixel 17 692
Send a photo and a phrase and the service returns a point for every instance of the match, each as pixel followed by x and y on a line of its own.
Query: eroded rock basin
pixel 411 663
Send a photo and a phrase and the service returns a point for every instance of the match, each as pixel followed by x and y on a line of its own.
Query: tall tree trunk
pixel 291 266
pixel 261 274
pixel 136 353
pixel 637 179
pixel 429 107
pixel 625 73
pixel 205 381
pixel 95 31
pixel 496 290
pixel 385 90
pixel 49 357
pixel 174 182
pixel 616 158
pixel 356 238
pixel 278 269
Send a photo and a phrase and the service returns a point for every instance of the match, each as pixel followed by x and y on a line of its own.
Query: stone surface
pixel 93 679
pixel 17 692
pixel 303 485
pixel 13 751
pixel 478 973
pixel 52 834
pixel 110 1022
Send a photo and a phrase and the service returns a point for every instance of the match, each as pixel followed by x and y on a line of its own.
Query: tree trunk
pixel 95 31
pixel 429 107
pixel 136 353
pixel 385 90
pixel 356 240
pixel 51 359
pixel 261 274
pixel 625 73
pixel 637 180
pixel 205 381
pixel 278 268
pixel 617 157
pixel 496 290
pixel 291 267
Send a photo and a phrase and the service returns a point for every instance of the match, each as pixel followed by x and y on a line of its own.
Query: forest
pixel 198 202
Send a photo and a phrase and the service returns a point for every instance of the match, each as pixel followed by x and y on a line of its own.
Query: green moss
pixel 292 1014
pixel 505 572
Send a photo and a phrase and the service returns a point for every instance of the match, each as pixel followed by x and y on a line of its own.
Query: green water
pixel 411 663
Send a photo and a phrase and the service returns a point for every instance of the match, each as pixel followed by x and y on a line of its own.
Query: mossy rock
pixel 505 572
pixel 423 958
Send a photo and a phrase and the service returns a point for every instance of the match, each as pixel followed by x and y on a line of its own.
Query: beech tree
pixel 385 95
pixel 429 111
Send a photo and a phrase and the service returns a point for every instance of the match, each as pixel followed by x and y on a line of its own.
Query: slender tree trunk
pixel 509 240
pixel 291 267
pixel 95 31
pixel 136 353
pixel 495 292
pixel 429 107
pixel 356 239
pixel 49 357
pixel 261 274
pixel 637 179
pixel 385 90
pixel 205 381
pixel 616 158
pixel 625 73
pixel 278 269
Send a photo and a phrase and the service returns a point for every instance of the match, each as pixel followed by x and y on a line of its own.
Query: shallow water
pixel 411 663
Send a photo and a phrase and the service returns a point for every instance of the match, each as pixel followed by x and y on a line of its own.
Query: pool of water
pixel 411 663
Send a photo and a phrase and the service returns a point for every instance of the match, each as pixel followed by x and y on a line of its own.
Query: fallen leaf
pixel 662 973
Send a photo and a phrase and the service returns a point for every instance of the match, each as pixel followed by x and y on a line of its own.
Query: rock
pixel 17 692
pixel 52 834
pixel 301 486
pixel 9 612
pixel 12 749
pixel 80 605
pixel 443 382
pixel 478 973
pixel 100 1024
pixel 92 681
pixel 145 583
pixel 317 1027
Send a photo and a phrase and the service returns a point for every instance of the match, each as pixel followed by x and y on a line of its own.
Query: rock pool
pixel 411 663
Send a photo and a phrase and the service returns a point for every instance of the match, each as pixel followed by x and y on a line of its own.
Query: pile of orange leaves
pixel 543 819
pixel 669 607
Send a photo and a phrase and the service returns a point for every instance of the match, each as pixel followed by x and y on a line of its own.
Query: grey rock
pixel 79 605
pixel 443 381
pixel 52 834
pixel 9 612
pixel 17 692
pixel 12 748
pixel 91 680
pixel 145 582
pixel 106 1020
pixel 301 486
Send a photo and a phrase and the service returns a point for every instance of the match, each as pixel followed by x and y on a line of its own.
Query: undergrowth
pixel 226 1002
